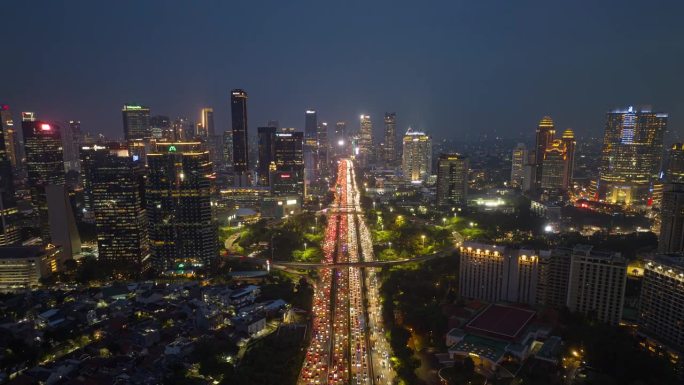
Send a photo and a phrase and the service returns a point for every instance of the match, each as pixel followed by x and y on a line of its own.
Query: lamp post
pixel 422 237
pixel 304 245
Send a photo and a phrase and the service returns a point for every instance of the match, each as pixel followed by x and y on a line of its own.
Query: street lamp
pixel 443 221
pixel 390 244
pixel 304 245
pixel 422 237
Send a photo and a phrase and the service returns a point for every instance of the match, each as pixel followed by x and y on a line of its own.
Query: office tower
pixel 631 156
pixel 554 271
pixel 390 150
pixel 310 147
pixel 596 284
pixel 342 141
pixel 323 147
pixel 227 164
pixel 206 123
pixel 72 139
pixel 288 177
pixel 365 141
pixel 183 235
pixel 267 145
pixel 568 139
pixel 89 156
pixel 63 230
pixel 555 166
pixel 9 213
pixel 44 166
pixel 518 160
pixel 23 267
pixel 674 171
pixel 117 188
pixel 660 305
pixel 544 136
pixel 11 135
pixel 238 109
pixel 417 156
pixel 452 179
pixel 136 122
pixel 495 273
pixel 160 128
pixel 183 129
pixel 671 239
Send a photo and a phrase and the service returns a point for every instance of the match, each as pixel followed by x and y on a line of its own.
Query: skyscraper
pixel 117 198
pixel 342 141
pixel 310 147
pixel 390 153
pixel 452 179
pixel 136 122
pixel 674 172
pixel 323 149
pixel 671 239
pixel 160 127
pixel 417 156
pixel 9 226
pixel 183 235
pixel 365 141
pixel 72 139
pixel 631 156
pixel 288 178
pixel 206 123
pixel 555 166
pixel 11 135
pixel 44 164
pixel 238 108
pixel 568 139
pixel 267 149
pixel 545 133
pixel 518 160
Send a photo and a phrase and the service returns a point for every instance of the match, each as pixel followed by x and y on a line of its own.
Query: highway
pixel 348 344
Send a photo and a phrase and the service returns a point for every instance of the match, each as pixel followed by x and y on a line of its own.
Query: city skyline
pixel 457 86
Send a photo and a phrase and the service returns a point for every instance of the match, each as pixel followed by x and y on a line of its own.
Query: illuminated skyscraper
pixel 545 133
pixel 342 144
pixel 417 156
pixel 206 123
pixel 72 139
pixel 452 179
pixel 671 239
pixel 288 177
pixel 178 189
pixel 568 139
pixel 310 147
pixel 267 145
pixel 238 108
pixel 116 186
pixel 555 166
pixel 323 149
pixel 518 160
pixel 365 141
pixel 674 172
pixel 44 164
pixel 390 149
pixel 11 135
pixel 136 122
pixel 9 226
pixel 632 155
pixel 160 128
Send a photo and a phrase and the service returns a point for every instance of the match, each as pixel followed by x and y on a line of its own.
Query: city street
pixel 348 345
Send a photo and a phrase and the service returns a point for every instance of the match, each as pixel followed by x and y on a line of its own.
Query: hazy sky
pixel 454 68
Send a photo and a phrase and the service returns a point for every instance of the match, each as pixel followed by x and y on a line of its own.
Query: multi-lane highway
pixel 348 344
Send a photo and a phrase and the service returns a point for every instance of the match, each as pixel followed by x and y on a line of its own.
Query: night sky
pixel 454 68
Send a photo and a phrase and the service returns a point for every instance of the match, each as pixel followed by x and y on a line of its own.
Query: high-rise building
pixel 72 139
pixel 671 239
pixel 117 188
pixel 554 166
pixel 310 147
pixel 417 156
pixel 568 138
pixel 206 126
pixel 390 149
pixel 323 149
pixel 160 128
pixel 310 124
pixel 596 285
pixel 660 305
pixel 365 141
pixel 518 160
pixel 136 121
pixel 554 271
pixel 183 235
pixel 183 129
pixel 674 171
pixel 238 109
pixel 9 213
pixel 631 156
pixel 342 141
pixel 61 221
pixel 288 177
pixel 494 273
pixel 544 136
pixel 44 166
pixel 11 136
pixel 267 149
pixel 452 179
